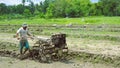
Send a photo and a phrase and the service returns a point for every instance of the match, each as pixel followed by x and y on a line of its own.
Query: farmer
pixel 23 33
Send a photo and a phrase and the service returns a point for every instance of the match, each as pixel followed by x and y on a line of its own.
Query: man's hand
pixel 32 37
pixel 18 38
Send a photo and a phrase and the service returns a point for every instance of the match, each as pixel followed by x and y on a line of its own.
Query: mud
pixel 78 58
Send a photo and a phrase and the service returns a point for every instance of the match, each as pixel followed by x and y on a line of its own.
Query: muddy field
pixel 81 45
pixel 6 62
pixel 89 46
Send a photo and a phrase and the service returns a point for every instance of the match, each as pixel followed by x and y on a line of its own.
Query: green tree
pixel 95 9
pixel 109 7
pixel 32 7
pixel 73 9
pixel 118 10
pixel 44 6
pixel 85 7
pixel 19 9
pixel 3 8
pixel 49 13
pixel 27 13
pixel 59 8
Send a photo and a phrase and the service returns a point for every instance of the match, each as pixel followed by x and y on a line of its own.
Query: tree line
pixel 60 9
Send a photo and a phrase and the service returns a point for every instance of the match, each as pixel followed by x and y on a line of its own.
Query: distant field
pixel 103 28
pixel 64 21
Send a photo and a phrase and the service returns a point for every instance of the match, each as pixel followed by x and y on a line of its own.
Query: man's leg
pixel 21 47
pixel 26 47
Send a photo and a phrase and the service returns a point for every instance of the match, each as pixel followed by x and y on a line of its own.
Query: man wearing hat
pixel 23 33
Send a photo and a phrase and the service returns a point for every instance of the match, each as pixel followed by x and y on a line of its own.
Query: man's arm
pixel 17 36
pixel 30 35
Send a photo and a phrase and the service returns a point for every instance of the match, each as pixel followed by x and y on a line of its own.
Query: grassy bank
pixel 64 21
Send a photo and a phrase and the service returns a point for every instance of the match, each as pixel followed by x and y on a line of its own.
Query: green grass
pixel 107 28
pixel 64 21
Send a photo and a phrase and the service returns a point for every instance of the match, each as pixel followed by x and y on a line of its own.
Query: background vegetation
pixel 60 9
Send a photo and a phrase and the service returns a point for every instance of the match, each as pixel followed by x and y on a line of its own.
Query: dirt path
pixel 6 62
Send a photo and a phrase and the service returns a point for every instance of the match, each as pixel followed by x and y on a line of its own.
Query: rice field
pixel 92 37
